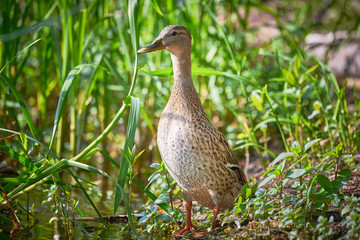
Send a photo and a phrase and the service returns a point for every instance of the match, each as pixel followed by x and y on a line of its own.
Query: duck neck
pixel 181 66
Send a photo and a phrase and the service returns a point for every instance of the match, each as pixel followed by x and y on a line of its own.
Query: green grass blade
pixel 133 10
pixel 86 194
pixel 21 102
pixel 33 140
pixel 22 158
pixel 63 97
pixel 129 141
pixel 148 193
pixel 25 49
pixel 156 7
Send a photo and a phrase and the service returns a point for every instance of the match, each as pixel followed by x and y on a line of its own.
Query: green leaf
pixel 197 71
pixel 257 100
pixel 266 180
pixel 63 97
pixel 292 174
pixel 282 156
pixel 338 148
pixel 129 142
pixel 330 153
pixel 248 192
pixel 277 172
pixel 282 166
pixel 156 7
pixel 325 183
pixel 296 148
pixel 286 199
pixel 21 157
pixel 297 64
pixel 25 49
pixel 155 165
pixel 24 140
pixel 339 182
pixel 345 157
pixel 165 72
pixel 329 75
pixel 309 144
pixel 346 210
pixel 345 173
pixel 289 77
pixel 148 193
pixel 133 9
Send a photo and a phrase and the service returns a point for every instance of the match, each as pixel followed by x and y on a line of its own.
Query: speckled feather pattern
pixel 195 153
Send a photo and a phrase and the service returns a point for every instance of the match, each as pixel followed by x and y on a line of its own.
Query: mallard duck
pixel 196 154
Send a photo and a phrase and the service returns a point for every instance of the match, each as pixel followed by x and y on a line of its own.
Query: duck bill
pixel 155 46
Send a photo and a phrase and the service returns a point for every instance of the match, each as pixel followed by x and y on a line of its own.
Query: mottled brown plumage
pixel 196 154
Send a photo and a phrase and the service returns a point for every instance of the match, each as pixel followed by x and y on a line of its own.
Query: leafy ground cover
pixel 78 106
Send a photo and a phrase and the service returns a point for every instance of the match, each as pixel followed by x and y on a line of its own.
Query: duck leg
pixel 189 227
pixel 216 212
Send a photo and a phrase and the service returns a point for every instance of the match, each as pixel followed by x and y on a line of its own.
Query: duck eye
pixel 174 33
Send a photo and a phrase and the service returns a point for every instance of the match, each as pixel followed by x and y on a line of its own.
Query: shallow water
pixel 42 228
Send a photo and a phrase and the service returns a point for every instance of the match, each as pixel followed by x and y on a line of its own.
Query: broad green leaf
pixel 266 180
pixel 345 173
pixel 257 100
pixel 309 144
pixel 286 199
pixel 282 156
pixel 325 183
pixel 346 210
pixel 339 182
pixel 155 165
pixel 288 76
pixel 345 157
pixel 248 192
pixel 295 173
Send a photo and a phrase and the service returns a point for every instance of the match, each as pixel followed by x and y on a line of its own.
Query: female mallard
pixel 195 153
